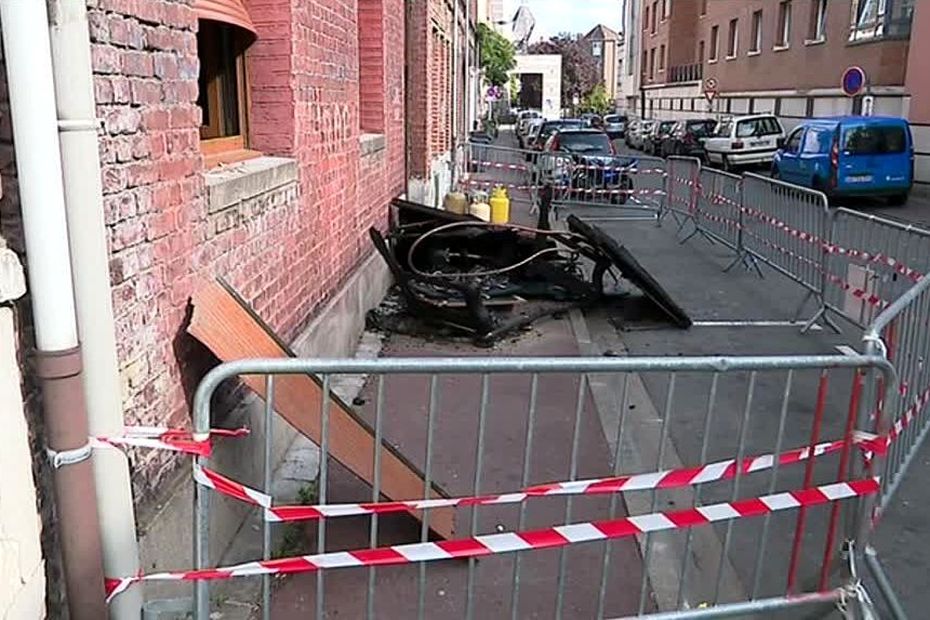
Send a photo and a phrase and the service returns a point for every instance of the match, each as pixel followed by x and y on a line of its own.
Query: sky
pixel 555 16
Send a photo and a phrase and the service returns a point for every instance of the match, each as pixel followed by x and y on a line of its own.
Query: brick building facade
pixel 278 205
pixel 781 56
pixel 437 91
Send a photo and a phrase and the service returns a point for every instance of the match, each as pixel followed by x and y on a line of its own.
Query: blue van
pixel 850 156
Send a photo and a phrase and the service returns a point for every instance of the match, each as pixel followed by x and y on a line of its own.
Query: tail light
pixel 737 145
pixel 835 161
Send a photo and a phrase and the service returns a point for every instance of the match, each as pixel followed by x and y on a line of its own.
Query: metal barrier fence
pixel 775 451
pixel 633 187
pixel 871 262
pixel 682 182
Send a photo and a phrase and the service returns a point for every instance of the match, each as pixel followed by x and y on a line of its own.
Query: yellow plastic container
pixel 500 206
pixel 456 202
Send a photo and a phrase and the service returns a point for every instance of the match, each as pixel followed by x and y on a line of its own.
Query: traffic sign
pixel 710 84
pixel 710 95
pixel 854 81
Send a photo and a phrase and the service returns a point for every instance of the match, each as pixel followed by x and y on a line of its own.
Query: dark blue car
pixel 850 156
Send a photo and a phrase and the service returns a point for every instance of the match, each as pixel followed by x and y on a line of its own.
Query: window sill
pixel 781 48
pixel 754 53
pixel 229 185
pixel 818 41
pixel 729 58
pixel 371 143
pixel 712 61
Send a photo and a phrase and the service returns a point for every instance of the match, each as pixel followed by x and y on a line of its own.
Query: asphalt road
pixel 916 211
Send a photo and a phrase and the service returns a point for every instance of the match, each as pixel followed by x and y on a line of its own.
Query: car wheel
pixel 898 200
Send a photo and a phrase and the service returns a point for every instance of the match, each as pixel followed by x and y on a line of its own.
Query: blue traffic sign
pixel 854 81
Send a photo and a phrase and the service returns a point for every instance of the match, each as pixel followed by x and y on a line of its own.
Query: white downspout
pixel 70 45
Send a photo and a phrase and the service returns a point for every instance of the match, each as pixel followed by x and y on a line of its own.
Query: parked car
pixel 615 126
pixel 652 141
pixel 522 118
pixel 638 136
pixel 550 127
pixel 530 133
pixel 584 160
pixel 744 140
pixel 850 156
pixel 632 128
pixel 686 138
pixel 592 120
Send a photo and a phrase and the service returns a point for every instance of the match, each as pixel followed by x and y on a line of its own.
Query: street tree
pixel 597 101
pixel 580 72
pixel 498 55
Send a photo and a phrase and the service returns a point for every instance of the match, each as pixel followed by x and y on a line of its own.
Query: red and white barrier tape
pixel 173 440
pixel 670 479
pixel 878 259
pixel 499 165
pixel 510 542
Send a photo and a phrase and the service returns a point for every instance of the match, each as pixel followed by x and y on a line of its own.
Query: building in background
pixel 439 113
pixel 630 92
pixel 785 57
pixel 604 44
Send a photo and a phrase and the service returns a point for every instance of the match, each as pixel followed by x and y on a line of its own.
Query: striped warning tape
pixel 879 259
pixel 670 479
pixel 172 440
pixel 510 542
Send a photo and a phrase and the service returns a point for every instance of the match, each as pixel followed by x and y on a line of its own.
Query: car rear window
pixel 613 119
pixel 701 129
pixel 572 124
pixel 874 139
pixel 757 127
pixel 724 129
pixel 585 142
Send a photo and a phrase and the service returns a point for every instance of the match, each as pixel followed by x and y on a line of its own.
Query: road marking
pixel 816 327
pixel 845 349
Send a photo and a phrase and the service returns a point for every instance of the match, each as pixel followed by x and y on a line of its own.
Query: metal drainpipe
pixel 71 63
pixel 58 360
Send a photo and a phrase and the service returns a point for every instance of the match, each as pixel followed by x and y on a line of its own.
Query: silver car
pixel 637 138
pixel 615 126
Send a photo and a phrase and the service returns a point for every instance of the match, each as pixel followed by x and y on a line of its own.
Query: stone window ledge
pixel 371 143
pixel 234 183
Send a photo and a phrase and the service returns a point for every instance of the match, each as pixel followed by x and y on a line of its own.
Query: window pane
pixel 219 48
pixel 868 140
pixel 745 129
pixel 585 142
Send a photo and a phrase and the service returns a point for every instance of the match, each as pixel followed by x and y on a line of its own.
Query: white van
pixel 744 141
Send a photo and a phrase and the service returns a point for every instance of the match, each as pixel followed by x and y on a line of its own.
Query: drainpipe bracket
pixel 63 458
pixel 88 124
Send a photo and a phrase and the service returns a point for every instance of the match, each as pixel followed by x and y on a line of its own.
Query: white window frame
pixel 755 46
pixel 783 41
pixel 820 22
pixel 872 28
pixel 732 39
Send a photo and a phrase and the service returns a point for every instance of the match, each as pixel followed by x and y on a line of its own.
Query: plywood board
pixel 223 322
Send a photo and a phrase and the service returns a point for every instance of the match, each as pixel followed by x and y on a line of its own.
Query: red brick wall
pixel 429 81
pixel 286 251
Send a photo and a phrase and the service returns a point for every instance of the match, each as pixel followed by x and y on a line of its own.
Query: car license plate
pixel 859 178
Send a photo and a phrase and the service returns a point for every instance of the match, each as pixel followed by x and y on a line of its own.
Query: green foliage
pixel 597 101
pixel 294 539
pixel 498 55
pixel 580 72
